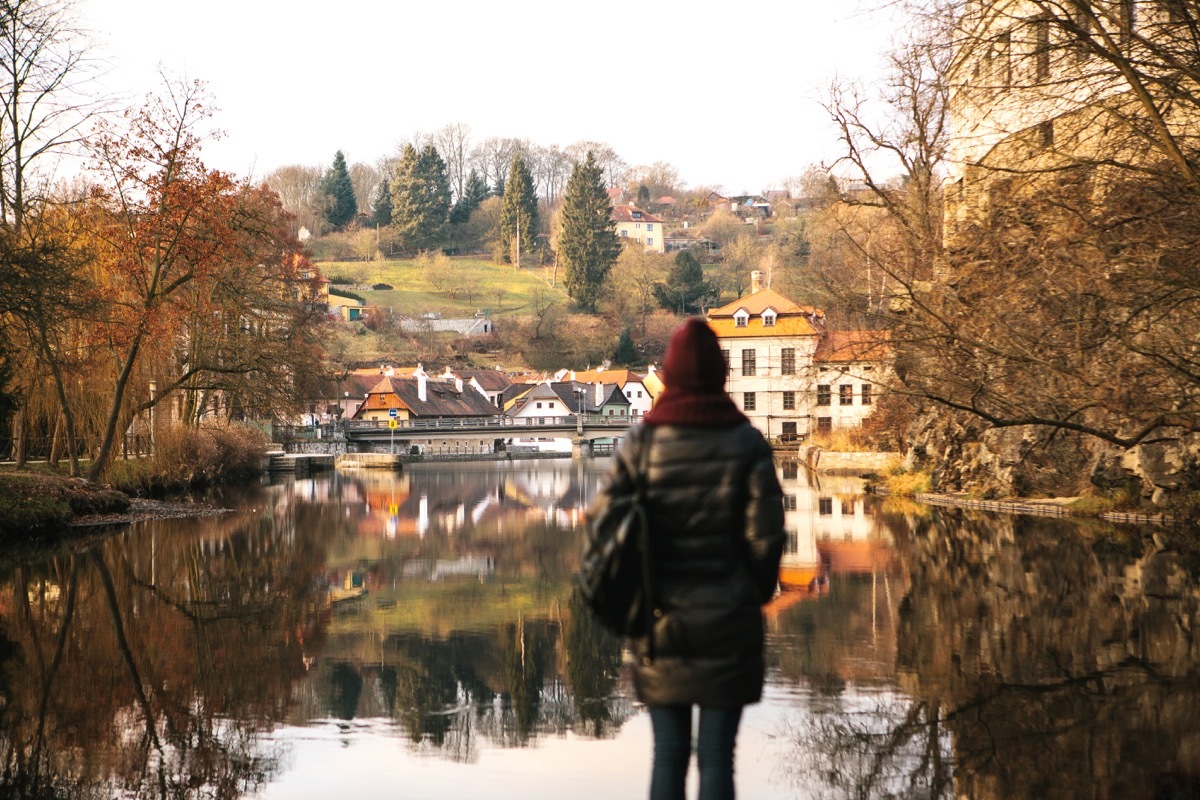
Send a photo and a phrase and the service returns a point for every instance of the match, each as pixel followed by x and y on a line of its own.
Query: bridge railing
pixel 496 422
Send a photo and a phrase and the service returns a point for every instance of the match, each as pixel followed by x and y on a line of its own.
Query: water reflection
pixel 913 652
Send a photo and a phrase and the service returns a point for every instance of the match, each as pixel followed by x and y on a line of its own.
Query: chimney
pixel 755 281
pixel 458 384
pixel 421 378
pixel 599 392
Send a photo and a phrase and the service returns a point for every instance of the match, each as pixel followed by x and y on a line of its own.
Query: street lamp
pixel 579 394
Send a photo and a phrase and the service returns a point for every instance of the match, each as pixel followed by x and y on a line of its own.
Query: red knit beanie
pixel 693 376
pixel 694 362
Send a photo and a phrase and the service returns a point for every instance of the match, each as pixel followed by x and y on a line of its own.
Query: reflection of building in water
pixel 830 529
pixel 485 496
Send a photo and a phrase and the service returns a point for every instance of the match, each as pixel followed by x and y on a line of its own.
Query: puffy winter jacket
pixel 715 512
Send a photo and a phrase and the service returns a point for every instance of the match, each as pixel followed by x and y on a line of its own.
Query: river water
pixel 414 635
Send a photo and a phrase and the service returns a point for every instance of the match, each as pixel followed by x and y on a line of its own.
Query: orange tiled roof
pixel 784 326
pixel 760 301
pixel 618 376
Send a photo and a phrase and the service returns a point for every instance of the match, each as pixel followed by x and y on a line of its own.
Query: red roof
pixel 633 214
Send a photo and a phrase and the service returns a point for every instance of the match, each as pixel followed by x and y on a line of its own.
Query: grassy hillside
pixel 459 287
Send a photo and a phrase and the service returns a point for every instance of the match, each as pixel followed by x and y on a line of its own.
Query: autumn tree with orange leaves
pixel 205 290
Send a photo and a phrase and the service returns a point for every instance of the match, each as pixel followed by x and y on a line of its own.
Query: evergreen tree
pixel 474 193
pixel 420 199
pixel 626 352
pixel 588 242
pixel 685 286
pixel 518 211
pixel 381 212
pixel 338 192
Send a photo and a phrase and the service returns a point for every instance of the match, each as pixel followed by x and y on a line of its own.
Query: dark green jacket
pixel 715 512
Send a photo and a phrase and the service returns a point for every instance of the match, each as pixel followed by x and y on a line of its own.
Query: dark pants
pixel 673 750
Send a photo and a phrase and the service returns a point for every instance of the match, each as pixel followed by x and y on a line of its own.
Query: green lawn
pixel 478 284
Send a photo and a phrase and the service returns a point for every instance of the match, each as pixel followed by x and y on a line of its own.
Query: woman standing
pixel 715 515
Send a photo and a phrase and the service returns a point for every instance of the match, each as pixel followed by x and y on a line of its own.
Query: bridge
pixel 482 432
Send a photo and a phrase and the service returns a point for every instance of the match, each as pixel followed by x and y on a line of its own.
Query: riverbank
pixel 36 504
pixel 33 500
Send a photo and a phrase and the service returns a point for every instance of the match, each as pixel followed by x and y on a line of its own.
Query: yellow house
pixel 635 224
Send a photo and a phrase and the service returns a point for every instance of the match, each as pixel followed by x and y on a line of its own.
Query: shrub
pixel 909 484
pixel 190 456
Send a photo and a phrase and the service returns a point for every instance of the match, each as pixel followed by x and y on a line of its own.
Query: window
pixel 866 394
pixel 749 363
pixel 789 401
pixel 1045 131
pixel 846 395
pixel 789 432
pixel 791 470
pixel 650 240
pixel 649 226
pixel 741 318
pixel 789 502
pixel 1041 49
pixel 847 508
pixel 787 361
pixel 825 506
pixel 768 318
pixel 825 425
pixel 728 365
pixel 823 394
pixel 749 401
pixel 625 234
pixel 539 405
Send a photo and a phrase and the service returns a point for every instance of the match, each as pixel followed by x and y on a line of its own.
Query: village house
pixel 491 383
pixel 419 398
pixel 785 368
pixel 629 382
pixel 640 226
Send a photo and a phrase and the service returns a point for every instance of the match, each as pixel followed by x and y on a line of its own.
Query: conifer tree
pixel 474 193
pixel 685 286
pixel 338 192
pixel 420 199
pixel 518 211
pixel 588 244
pixel 381 212
pixel 626 351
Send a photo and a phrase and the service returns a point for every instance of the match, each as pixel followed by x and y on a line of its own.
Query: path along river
pixel 413 635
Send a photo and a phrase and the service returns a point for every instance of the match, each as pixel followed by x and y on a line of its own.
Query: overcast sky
pixel 726 92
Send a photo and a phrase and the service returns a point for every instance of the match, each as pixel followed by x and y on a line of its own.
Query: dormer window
pixel 768 318
pixel 740 318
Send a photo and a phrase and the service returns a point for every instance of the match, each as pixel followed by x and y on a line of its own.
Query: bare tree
pixel 454 144
pixel 366 179
pixel 44 68
pixel 612 165
pixel 298 187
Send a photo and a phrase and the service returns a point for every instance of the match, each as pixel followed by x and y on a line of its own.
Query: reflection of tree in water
pixel 593 659
pixel 1066 659
pixel 151 670
pixel 504 685
pixel 1039 657
pixel 877 746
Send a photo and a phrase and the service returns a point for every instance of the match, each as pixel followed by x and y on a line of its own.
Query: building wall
pixel 651 235
pixel 768 384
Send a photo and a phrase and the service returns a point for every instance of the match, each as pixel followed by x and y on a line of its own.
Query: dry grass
pixel 909 484
pixel 192 456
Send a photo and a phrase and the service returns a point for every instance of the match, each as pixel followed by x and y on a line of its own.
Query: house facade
pixel 631 384
pixel 770 343
pixel 790 376
pixel 640 226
